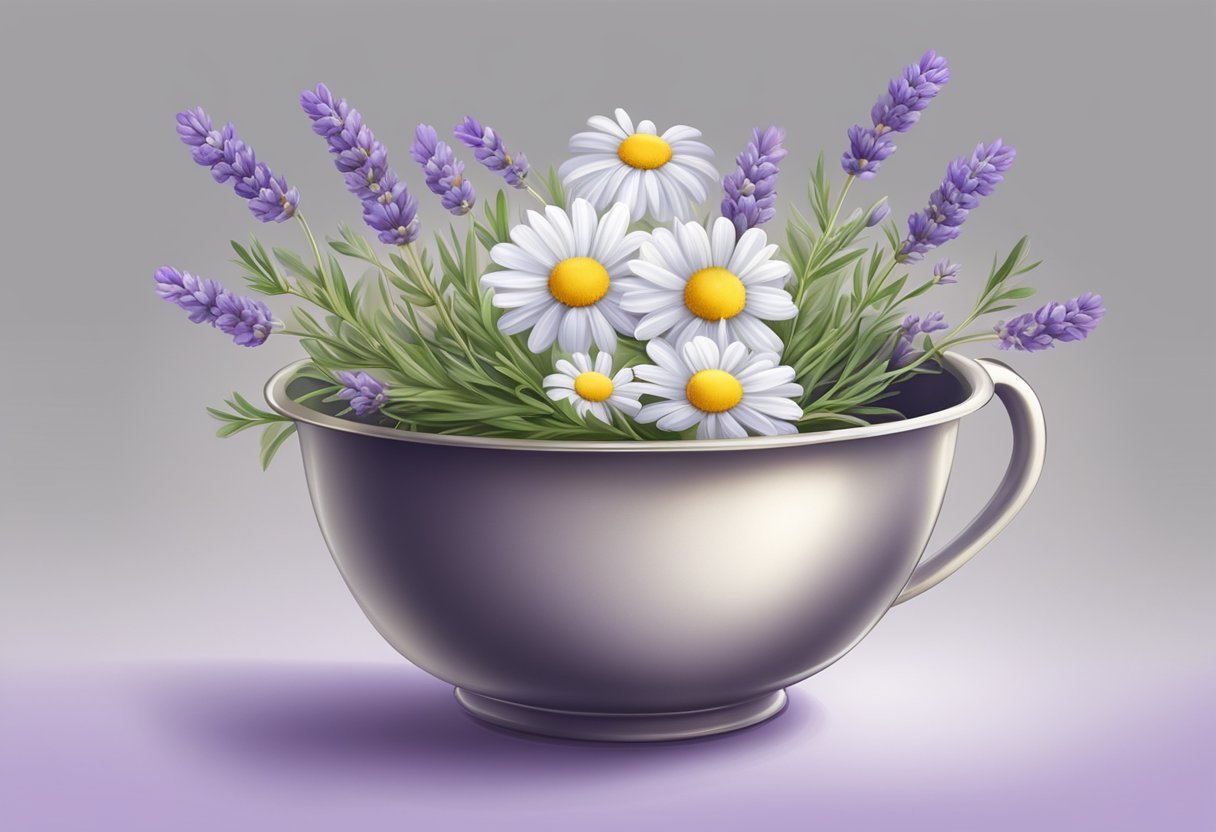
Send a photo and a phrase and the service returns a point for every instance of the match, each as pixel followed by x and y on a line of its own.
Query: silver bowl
pixel 647 590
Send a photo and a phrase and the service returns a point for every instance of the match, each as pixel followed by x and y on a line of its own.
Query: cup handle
pixel 1025 466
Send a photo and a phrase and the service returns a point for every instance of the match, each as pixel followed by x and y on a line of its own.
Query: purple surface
pixel 328 746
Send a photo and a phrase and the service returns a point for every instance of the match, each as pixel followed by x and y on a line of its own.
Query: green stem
pixel 534 193
pixel 312 241
pixel 427 285
pixel 848 183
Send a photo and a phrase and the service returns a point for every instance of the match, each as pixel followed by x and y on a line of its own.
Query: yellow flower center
pixel 713 391
pixel 578 281
pixel 714 294
pixel 594 387
pixel 641 150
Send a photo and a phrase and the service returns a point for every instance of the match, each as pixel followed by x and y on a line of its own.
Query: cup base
pixel 608 727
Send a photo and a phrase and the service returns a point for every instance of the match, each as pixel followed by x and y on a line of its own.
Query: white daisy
pixel 689 281
pixel 592 387
pixel 561 277
pixel 726 392
pixel 652 174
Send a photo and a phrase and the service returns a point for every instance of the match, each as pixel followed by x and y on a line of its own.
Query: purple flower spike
pixel 365 394
pixel 248 321
pixel 388 206
pixel 866 152
pixel 444 172
pixel 1072 320
pixel 276 202
pixel 905 351
pixel 967 180
pixel 194 294
pixel 906 96
pixel 894 112
pixel 394 215
pixel 945 271
pixel 231 160
pixel 328 116
pixel 491 152
pixel 751 190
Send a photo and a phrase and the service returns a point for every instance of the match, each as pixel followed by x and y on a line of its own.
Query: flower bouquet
pixel 618 307
pixel 482 421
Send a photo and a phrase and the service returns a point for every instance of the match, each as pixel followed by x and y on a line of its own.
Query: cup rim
pixel 967 370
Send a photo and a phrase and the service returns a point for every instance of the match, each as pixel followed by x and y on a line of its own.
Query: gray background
pixel 130 533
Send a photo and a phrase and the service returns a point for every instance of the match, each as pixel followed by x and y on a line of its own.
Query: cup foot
pixel 658 727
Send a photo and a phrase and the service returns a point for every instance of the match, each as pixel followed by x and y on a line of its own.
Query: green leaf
pixel 272 439
pixel 1017 294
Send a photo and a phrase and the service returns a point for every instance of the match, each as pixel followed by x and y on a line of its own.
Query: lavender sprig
pixel 946 272
pixel 443 171
pixel 895 112
pixel 488 148
pixel 1072 320
pixel 751 189
pixel 878 213
pixel 248 321
pixel 388 206
pixel 967 180
pixel 905 350
pixel 365 393
pixel 230 159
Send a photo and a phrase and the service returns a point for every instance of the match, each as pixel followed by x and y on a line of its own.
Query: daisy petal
pixel 749 245
pixel 552 237
pixel 517 320
pixel 770 304
pixel 611 231
pixel 765 380
pixel 584 223
pixel 580 167
pixel 754 420
pixel 511 256
pixel 733 356
pixel 773 271
pixel 513 279
pixel 545 330
pixel 603 335
pixel 657 275
pixel 658 410
pixel 659 322
pixel 729 427
pixel 664 243
pixel 607 125
pixel 778 406
pixel 574 331
pixel 678 419
pixel 679 133
pixel 594 142
pixel 560 221
pixel 691 149
pixel 722 241
pixel 663 354
pixel 756 335
pixel 621 321
pixel 694 242
pixel 520 297
pixel 532 243
pixel 702 167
